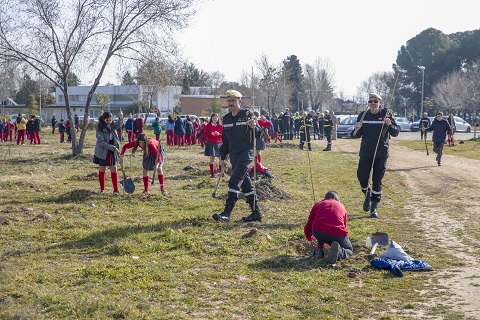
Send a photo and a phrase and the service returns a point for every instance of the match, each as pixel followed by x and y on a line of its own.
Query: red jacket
pixel 209 132
pixel 153 146
pixel 327 216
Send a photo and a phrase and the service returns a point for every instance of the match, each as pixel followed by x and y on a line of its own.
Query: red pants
pixel 170 138
pixel 21 136
pixel 36 138
pixel 180 140
pixel 62 137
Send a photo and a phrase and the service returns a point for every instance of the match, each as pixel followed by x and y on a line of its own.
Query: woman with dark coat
pixel 107 149
pixel 179 132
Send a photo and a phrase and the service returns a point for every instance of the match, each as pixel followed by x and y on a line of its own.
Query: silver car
pixel 403 124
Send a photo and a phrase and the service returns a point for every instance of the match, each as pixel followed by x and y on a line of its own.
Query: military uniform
pixel 370 131
pixel 237 142
pixel 306 124
pixel 327 129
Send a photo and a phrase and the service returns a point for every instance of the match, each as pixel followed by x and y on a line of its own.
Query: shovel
pixel 127 184
pixel 377 239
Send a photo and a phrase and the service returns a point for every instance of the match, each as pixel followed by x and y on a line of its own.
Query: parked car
pixel 346 126
pixel 414 127
pixel 403 124
pixel 461 125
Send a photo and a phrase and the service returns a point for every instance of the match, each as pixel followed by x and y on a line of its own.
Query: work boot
pixel 300 146
pixel 225 215
pixel 256 215
pixel 367 202
pixel 309 146
pixel 373 209
pixel 328 148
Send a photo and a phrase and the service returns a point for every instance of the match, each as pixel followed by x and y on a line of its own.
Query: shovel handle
pixel 374 247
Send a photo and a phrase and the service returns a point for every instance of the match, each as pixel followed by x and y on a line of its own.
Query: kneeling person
pixel 327 223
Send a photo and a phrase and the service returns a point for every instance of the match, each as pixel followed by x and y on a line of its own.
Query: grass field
pixel 67 251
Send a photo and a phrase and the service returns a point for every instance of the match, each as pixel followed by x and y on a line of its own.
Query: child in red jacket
pixel 328 224
pixel 152 158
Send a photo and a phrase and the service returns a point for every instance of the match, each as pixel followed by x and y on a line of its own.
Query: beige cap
pixel 234 94
pixel 374 96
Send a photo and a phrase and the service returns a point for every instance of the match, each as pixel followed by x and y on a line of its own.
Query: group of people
pixel 21 129
pixel 236 137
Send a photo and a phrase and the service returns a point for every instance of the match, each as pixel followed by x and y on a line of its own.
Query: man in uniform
pixel 327 129
pixel 305 125
pixel 376 123
pixel 239 130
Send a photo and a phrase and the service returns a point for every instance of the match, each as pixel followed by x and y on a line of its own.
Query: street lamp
pixel 423 81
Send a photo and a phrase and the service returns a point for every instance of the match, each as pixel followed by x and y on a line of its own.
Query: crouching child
pixel 327 223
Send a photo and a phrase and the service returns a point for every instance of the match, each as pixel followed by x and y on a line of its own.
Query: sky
pixel 358 37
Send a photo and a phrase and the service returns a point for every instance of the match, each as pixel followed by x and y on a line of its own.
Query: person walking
pixel 424 123
pixel 440 128
pixel 54 124
pixel 376 128
pixel 327 129
pixel 107 151
pixel 327 223
pixel 239 130
pixel 213 135
pixel 153 159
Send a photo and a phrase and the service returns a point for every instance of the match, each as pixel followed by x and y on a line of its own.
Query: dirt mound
pixel 266 191
pixel 88 177
pixel 301 246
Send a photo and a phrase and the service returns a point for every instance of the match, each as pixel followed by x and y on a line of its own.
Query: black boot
pixel 300 146
pixel 373 209
pixel 367 202
pixel 328 148
pixel 225 215
pixel 309 146
pixel 256 215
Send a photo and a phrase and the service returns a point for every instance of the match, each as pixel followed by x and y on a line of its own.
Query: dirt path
pixel 454 186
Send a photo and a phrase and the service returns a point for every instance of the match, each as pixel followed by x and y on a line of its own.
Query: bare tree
pixel 215 80
pixel 459 90
pixel 153 76
pixel 269 83
pixel 319 83
pixel 58 37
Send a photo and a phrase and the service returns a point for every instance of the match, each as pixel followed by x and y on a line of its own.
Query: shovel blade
pixel 128 185
pixel 378 237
